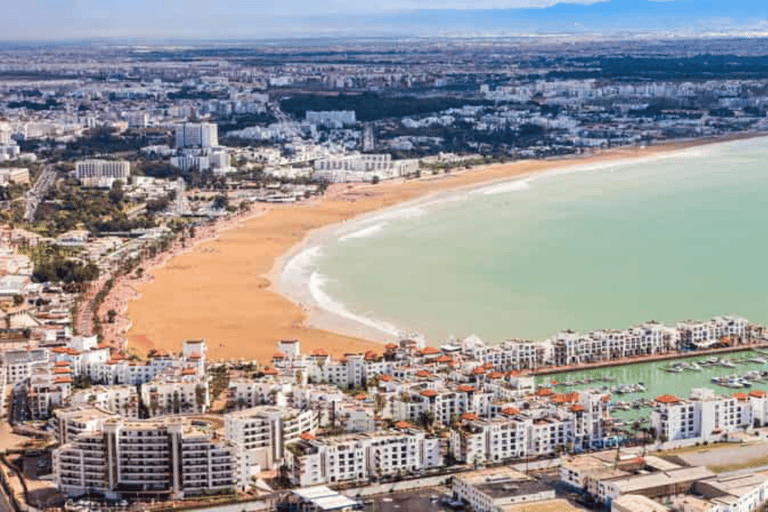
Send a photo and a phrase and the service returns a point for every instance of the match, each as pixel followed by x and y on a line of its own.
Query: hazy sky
pixel 204 19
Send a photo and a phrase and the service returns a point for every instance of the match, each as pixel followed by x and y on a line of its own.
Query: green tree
pixel 116 193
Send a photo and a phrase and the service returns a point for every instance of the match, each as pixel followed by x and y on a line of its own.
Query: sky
pixel 42 20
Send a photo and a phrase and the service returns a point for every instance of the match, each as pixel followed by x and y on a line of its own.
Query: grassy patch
pixel 754 463
pixel 695 449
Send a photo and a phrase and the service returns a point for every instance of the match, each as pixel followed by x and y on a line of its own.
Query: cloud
pixel 387 6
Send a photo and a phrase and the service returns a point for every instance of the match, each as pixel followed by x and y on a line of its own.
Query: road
pixel 35 195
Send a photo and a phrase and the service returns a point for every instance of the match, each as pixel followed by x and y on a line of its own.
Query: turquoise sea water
pixel 604 246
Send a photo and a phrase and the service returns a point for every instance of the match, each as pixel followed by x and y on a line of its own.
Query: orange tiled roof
pixel 270 371
pixel 361 396
pixel 478 371
pixel 278 355
pixel 667 399
pixel 444 359
pixel 543 392
pixel 307 436
pixel 62 371
pixel 740 396
pixel 62 380
pixel 319 353
pixel 465 388
pixel 428 393
pixel 402 425
pixel 385 377
pixel 495 375
pixel 423 374
pixel 577 408
pixel 188 371
pixel 429 351
pixel 509 411
pixel 757 393
pixel 468 416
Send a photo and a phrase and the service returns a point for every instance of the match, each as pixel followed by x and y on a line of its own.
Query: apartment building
pixel 178 392
pixel 720 329
pixel 71 422
pixel 358 457
pixel 118 399
pixel 266 430
pixel 245 393
pixel 569 421
pixel 197 135
pixel 480 441
pixel 331 118
pixel 48 387
pixel 102 173
pixel 571 348
pixel 19 363
pixel 171 457
pixel 703 415
pixel 10 175
pixel 362 167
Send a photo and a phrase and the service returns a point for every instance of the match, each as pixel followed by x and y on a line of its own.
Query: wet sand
pixel 221 289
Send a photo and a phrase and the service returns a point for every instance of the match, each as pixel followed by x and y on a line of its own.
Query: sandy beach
pixel 221 289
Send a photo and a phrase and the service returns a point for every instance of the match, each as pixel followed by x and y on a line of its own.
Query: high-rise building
pixel 171 457
pixel 197 135
pixel 102 173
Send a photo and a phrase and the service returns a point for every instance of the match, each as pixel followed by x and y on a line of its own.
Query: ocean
pixel 667 237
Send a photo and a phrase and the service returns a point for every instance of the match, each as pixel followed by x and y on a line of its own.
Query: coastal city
pixel 152 195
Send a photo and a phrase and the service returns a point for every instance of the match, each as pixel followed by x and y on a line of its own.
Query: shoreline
pixel 234 300
pixel 344 321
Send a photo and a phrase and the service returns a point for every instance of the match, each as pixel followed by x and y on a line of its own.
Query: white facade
pixel 197 135
pixel 173 457
pixel 704 415
pixel 357 457
pixel 265 430
pixel 102 173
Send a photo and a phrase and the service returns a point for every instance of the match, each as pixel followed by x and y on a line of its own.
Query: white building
pixel 265 430
pixel 102 173
pixel 197 135
pixel 331 118
pixel 704 415
pixel 358 168
pixel 10 175
pixel 491 489
pixel 358 457
pixel 172 457
pixel 19 363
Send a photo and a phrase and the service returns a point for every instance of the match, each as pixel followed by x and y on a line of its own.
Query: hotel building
pixel 265 430
pixel 102 173
pixel 170 457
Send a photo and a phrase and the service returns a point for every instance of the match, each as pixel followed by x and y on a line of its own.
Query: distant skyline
pixel 48 20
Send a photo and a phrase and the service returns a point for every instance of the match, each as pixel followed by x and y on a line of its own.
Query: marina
pixel 634 387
